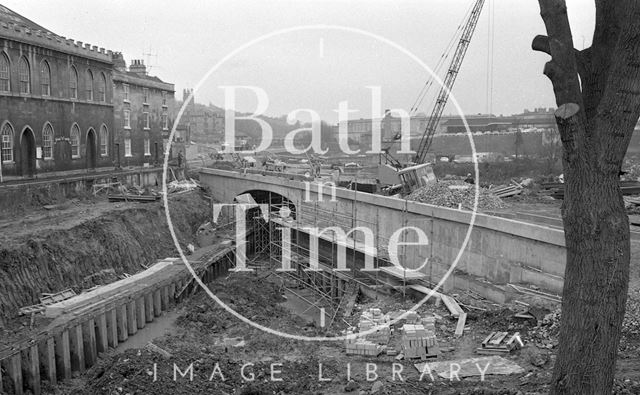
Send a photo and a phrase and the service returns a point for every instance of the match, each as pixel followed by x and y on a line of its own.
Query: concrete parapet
pixel 500 250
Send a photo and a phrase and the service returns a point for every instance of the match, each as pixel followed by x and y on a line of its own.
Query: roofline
pixel 46 39
pixel 124 77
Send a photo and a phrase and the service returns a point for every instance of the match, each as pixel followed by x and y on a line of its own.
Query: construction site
pixel 250 271
pixel 119 312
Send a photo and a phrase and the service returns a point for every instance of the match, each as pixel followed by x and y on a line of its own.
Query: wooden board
pixel 406 274
pixel 57 297
pixel 56 309
pixel 486 340
pixel 462 319
pixel 498 338
pixel 452 305
pixel 436 296
pixel 118 299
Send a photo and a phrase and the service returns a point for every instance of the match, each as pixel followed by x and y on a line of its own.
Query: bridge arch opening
pixel 277 203
pixel 264 237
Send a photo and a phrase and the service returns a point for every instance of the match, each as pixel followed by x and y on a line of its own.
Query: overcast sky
pixel 317 69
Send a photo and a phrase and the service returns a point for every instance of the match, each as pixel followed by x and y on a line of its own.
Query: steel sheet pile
pixel 453 194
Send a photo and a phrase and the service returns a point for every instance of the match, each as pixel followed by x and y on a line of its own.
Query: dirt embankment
pixel 50 251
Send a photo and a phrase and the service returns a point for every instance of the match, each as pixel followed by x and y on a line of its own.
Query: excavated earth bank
pixel 76 244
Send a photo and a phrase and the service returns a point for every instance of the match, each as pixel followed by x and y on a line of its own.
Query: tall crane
pixel 449 80
pixel 421 173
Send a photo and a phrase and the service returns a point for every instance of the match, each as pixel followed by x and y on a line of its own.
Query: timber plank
pixel 462 319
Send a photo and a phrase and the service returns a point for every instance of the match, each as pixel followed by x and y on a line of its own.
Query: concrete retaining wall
pixel 499 250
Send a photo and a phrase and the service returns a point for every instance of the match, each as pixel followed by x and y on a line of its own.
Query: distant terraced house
pixel 143 113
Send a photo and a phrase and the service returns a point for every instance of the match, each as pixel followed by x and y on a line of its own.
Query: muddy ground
pixel 198 337
pixel 55 248
pixel 82 243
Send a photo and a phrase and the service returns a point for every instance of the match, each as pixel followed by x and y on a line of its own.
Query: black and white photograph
pixel 270 197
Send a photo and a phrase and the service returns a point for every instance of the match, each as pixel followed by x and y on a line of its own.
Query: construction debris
pixel 455 194
pixel 626 187
pixel 374 319
pixel 402 317
pixel 533 292
pixel 351 295
pixel 182 186
pixel 45 300
pixel 101 293
pixel 462 319
pixel 509 190
pixel 153 348
pixel 471 367
pixel 133 198
pixel 453 306
pixel 33 309
pixel 500 343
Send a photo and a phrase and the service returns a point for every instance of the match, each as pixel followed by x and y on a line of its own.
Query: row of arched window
pixel 25 85
pixel 8 139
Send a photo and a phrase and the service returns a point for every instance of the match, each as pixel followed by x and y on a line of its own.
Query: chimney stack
pixel 118 61
pixel 138 67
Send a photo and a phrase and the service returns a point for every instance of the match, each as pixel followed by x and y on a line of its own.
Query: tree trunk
pixel 596 280
pixel 596 116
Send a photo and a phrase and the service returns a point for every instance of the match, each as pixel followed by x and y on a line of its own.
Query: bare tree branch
pixel 565 77
pixel 541 44
pixel 562 70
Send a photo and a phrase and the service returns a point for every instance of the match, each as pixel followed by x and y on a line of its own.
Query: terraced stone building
pixel 56 110
pixel 143 113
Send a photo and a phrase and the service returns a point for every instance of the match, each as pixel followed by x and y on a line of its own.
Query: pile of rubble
pixel 176 186
pixel 631 324
pixel 547 331
pixel 455 194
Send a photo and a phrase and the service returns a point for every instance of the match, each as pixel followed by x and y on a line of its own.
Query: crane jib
pixel 443 96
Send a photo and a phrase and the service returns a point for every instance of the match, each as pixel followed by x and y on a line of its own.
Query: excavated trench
pixel 88 245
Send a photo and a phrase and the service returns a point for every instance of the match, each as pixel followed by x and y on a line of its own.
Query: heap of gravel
pixel 453 194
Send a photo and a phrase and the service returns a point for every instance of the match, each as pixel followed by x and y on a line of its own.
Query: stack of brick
pixel 359 346
pixel 429 324
pixel 373 318
pixel 380 336
pixel 419 341
pixel 412 317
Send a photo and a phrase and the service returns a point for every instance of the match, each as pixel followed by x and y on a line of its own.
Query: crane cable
pixel 443 58
pixel 490 41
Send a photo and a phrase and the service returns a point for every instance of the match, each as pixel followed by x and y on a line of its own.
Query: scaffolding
pixel 309 239
pixel 334 291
